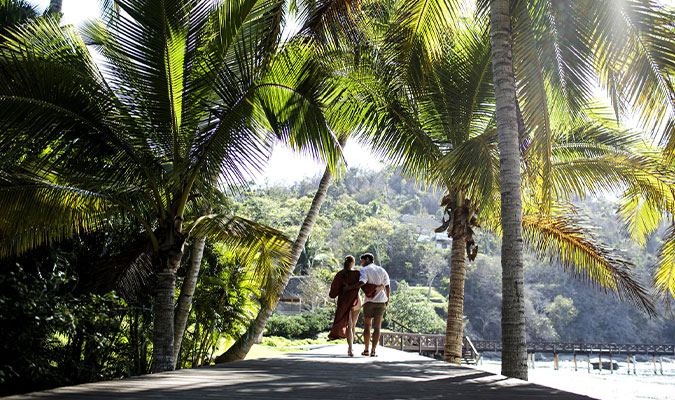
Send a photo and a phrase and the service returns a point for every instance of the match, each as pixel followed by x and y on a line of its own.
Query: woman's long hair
pixel 349 260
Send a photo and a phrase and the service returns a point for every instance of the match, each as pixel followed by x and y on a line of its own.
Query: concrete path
pixel 323 373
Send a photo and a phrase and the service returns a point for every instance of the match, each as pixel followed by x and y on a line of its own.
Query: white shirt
pixel 375 275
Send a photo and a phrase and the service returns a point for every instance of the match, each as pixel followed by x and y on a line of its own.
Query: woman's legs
pixel 350 334
pixel 351 328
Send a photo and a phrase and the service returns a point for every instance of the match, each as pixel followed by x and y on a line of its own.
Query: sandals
pixel 372 354
pixel 350 354
pixel 365 353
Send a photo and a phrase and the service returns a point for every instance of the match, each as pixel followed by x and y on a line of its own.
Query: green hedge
pixel 300 325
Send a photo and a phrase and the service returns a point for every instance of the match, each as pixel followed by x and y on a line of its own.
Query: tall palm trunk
pixel 514 353
pixel 55 6
pixel 242 346
pixel 186 293
pixel 171 253
pixel 162 341
pixel 454 331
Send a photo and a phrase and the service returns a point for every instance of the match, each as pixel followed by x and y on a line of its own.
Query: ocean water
pixel 602 385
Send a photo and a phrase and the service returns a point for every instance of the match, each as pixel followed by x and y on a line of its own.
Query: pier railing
pixel 583 348
pixel 435 344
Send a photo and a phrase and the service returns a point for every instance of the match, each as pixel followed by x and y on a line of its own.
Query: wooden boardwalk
pixel 323 373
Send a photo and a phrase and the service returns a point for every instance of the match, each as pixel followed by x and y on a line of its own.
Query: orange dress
pixel 346 300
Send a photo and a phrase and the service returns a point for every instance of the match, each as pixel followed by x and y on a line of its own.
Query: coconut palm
pixel 192 93
pixel 560 48
pixel 241 347
pixel 514 348
pixel 458 110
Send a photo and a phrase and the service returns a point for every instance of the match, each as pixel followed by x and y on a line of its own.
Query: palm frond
pixel 333 20
pixel 664 277
pixel 265 250
pixel 561 238
pixel 128 273
pixel 473 167
pixel 632 40
pixel 48 213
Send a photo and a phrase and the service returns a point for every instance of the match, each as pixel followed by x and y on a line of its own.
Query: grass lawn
pixel 274 345
pixel 436 296
pixel 258 351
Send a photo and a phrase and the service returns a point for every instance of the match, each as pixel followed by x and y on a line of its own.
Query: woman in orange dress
pixel 348 304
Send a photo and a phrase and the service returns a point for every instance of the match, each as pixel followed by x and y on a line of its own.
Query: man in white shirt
pixel 375 302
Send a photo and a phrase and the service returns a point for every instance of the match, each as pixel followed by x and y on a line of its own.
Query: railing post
pixel 628 363
pixel 611 364
pixel 575 361
pixel 654 362
pixel 419 343
pixel 401 336
pixel 588 362
pixel 600 362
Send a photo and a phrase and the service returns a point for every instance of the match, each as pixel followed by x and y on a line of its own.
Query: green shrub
pixel 300 325
pixel 411 308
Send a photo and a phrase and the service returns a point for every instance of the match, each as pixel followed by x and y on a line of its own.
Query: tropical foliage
pixel 191 94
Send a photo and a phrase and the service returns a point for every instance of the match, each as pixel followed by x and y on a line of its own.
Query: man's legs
pixel 376 332
pixel 366 330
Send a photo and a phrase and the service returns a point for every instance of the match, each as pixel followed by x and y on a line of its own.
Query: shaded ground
pixel 323 373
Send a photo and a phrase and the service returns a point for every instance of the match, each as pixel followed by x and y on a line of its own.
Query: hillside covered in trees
pixel 391 217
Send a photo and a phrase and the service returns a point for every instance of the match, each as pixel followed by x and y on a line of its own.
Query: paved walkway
pixel 323 373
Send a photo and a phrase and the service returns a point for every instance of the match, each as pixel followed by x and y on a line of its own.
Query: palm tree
pixel 470 111
pixel 458 111
pixel 559 48
pixel 242 346
pixel 514 347
pixel 191 93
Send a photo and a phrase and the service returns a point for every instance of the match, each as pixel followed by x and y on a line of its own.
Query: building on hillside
pixel 291 300
pixel 440 240
pixel 425 227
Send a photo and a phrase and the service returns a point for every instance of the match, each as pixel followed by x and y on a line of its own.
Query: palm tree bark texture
pixel 514 353
pixel 459 227
pixel 242 346
pixel 170 255
pixel 186 293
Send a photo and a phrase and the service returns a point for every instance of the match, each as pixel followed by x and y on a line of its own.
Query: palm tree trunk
pixel 162 343
pixel 514 353
pixel 454 331
pixel 185 297
pixel 55 6
pixel 171 254
pixel 242 346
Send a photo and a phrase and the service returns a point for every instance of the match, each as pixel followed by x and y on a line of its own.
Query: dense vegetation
pixel 62 326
